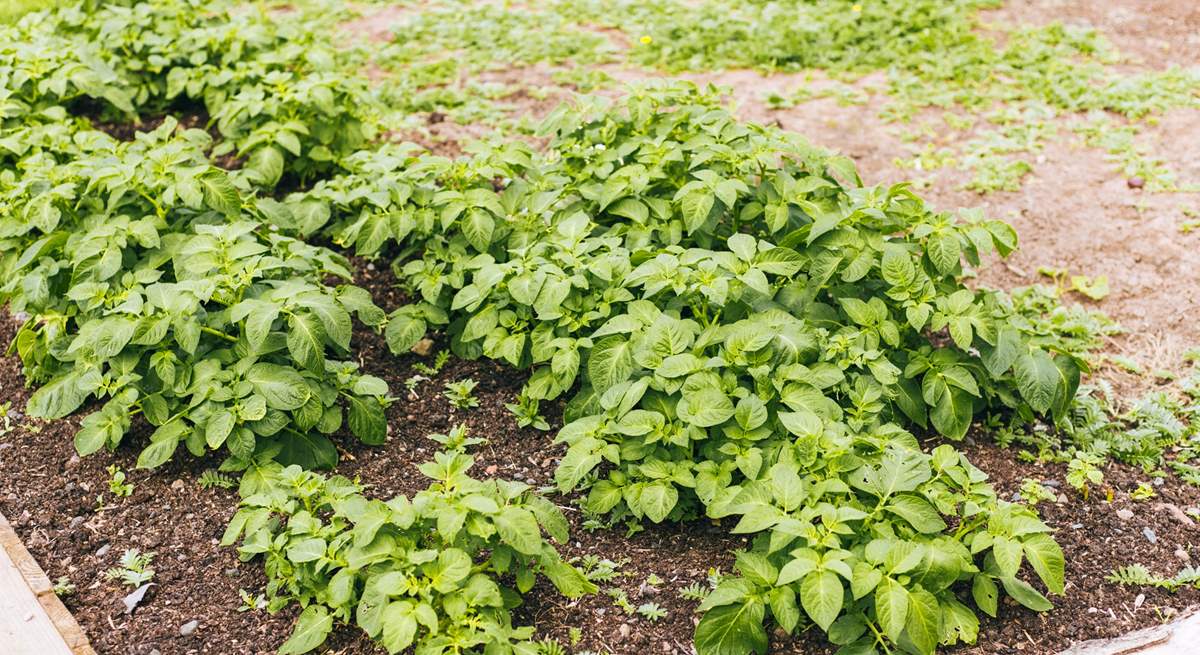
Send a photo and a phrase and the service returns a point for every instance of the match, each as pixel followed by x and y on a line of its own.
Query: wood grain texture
pixel 33 621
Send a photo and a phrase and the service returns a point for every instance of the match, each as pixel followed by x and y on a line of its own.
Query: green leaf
pixel 952 413
pixel 732 630
pixel 918 512
pixel 219 192
pixel 308 450
pixel 399 626
pixel 658 499
pixel 1037 379
pixel 478 227
pixel 784 608
pixel 610 363
pixel 56 399
pixel 923 625
pixel 451 567
pixel 1008 555
pixel 282 387
pixel 696 207
pixel 985 593
pixel 1046 558
pixel 306 550
pixel 706 407
pixel 306 341
pixel 1026 595
pixel 891 607
pixel 519 529
pixel 944 251
pixel 313 626
pixel 367 420
pixel 821 596
pixel 403 332
pixel 163 443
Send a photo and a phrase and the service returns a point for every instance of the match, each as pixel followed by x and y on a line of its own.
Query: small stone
pixel 1178 514
pixel 1135 182
pixel 491 470
pixel 370 266
pixel 1182 555
pixel 1093 610
pixel 1149 535
pixel 1076 526
pixel 624 630
pixel 231 572
pixel 1158 482
pixel 73 462
pixel 1124 514
pixel 155 652
pixel 1137 602
pixel 1016 497
pixel 188 628
pixel 1053 484
pixel 177 485
pixel 1062 498
pixel 103 550
pixel 423 347
pixel 76 522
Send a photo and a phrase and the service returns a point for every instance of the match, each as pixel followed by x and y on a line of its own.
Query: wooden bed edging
pixel 34 620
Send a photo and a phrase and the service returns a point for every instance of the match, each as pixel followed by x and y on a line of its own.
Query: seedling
pixel 460 393
pixel 525 410
pixel 133 569
pixel 1034 492
pixel 117 485
pixel 251 602
pixel 212 479
pixel 1143 492
pixel 457 440
pixel 63 587
pixel 651 611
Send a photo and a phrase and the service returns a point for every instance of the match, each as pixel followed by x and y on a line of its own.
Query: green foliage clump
pixel 148 278
pixel 267 83
pixel 1139 576
pixel 440 572
pixel 753 332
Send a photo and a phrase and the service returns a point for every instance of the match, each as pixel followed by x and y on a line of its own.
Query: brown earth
pixel 1075 211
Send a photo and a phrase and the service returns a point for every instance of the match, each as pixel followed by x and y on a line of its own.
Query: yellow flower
pixel 856 9
pixel 646 40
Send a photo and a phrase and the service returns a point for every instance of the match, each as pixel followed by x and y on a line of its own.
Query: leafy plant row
pixel 148 279
pixel 752 333
pixel 440 573
pixel 267 83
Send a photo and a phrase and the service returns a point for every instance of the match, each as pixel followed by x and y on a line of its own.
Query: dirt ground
pixel 1074 211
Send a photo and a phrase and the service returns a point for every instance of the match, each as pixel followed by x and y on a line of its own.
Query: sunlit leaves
pixel 407 571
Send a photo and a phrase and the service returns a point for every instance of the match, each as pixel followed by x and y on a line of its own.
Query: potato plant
pixel 440 572
pixel 747 333
pixel 753 334
pixel 150 281
pixel 266 83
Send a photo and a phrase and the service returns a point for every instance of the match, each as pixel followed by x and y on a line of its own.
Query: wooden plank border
pixel 39 583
